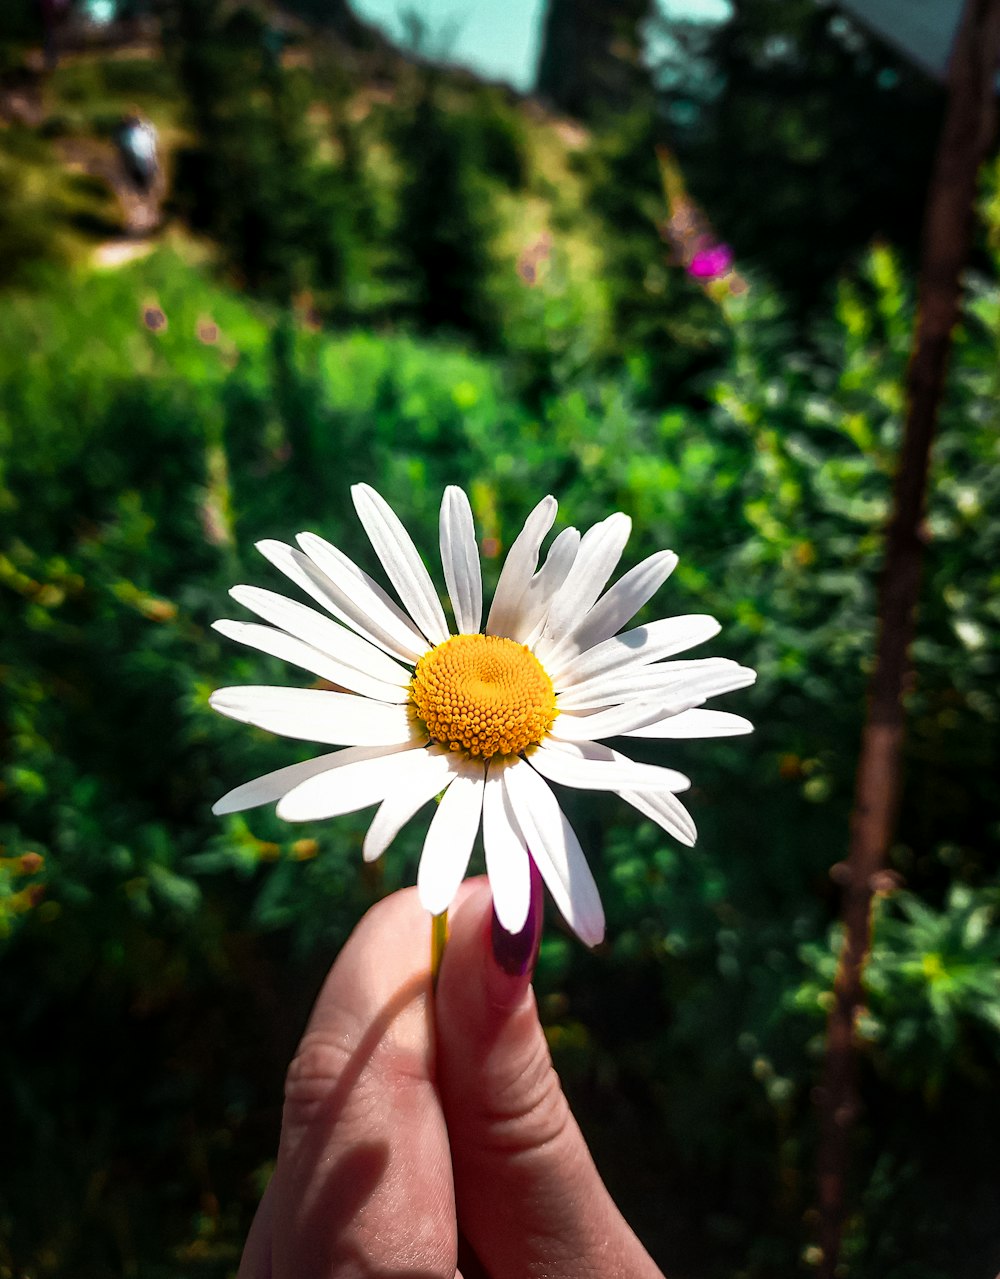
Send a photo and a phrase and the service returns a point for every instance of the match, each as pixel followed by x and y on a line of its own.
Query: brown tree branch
pixel 968 130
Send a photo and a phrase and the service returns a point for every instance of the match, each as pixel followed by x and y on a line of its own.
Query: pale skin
pixel 411 1120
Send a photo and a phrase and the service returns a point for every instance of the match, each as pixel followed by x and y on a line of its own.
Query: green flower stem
pixel 439 939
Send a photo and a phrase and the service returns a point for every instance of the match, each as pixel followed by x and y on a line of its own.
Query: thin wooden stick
pixel 968 130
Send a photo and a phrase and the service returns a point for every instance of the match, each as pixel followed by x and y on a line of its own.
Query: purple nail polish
pixel 516 953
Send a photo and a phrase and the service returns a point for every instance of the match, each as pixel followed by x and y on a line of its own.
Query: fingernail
pixel 515 953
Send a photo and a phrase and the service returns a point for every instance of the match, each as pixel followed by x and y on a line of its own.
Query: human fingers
pixel 362 1184
pixel 530 1200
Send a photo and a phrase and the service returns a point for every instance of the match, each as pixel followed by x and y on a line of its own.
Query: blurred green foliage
pixel 158 963
pixel 155 425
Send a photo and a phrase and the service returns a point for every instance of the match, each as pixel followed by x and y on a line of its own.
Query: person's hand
pixel 425 1132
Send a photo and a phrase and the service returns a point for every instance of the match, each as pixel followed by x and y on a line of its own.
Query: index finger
pixel 530 1200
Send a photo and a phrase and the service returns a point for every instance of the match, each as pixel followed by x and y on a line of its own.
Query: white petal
pixel 401 561
pixel 431 773
pixel 667 811
pixel 590 766
pixel 613 721
pixel 314 715
pixel 600 550
pixel 695 723
pixel 399 638
pixel 685 681
pixel 322 632
pixel 699 687
pixel 518 569
pixel 618 605
pixel 556 851
pixel 271 786
pixel 507 863
pixel 638 647
pixel 449 841
pixel 344 790
pixel 460 560
pixel 363 604
pixel 267 640
pixel 540 590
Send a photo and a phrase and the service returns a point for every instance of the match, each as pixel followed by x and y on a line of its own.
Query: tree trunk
pixel 591 63
pixel 968 130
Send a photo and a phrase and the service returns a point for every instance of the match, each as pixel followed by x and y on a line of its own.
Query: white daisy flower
pixel 485 717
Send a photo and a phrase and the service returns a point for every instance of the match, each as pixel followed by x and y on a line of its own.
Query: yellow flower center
pixel 483 695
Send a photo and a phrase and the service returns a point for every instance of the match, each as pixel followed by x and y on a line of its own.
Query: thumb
pixel 529 1198
pixel 362 1184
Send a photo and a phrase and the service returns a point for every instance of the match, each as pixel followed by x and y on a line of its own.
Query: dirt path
pixel 141 211
pixel 21 103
